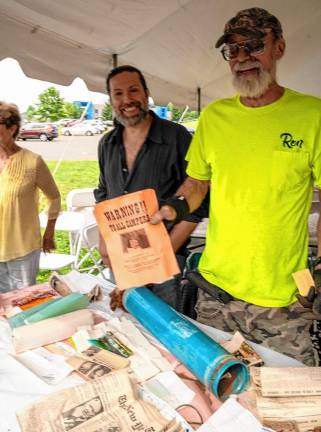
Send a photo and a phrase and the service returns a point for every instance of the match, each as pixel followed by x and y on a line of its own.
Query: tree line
pixel 51 107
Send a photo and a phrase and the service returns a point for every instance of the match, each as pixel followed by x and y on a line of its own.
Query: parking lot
pixel 65 147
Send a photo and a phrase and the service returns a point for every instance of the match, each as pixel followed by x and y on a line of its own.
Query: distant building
pixel 161 111
pixel 93 111
pixel 88 106
pixel 98 110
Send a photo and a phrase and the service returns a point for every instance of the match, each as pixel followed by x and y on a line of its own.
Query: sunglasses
pixel 254 46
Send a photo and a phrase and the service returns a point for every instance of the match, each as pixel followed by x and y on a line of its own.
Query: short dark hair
pixel 9 116
pixel 125 68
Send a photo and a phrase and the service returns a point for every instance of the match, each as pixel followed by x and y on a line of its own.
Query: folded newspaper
pixel 107 404
pixel 76 282
pixel 290 395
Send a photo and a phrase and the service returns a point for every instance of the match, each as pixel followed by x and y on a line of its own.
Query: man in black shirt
pixel 143 151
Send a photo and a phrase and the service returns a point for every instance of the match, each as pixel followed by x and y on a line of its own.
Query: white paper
pixel 49 367
pixel 170 388
pixel 231 417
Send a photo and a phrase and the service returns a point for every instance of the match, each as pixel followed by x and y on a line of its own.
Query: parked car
pixel 95 123
pixel 80 129
pixel 42 131
pixel 65 122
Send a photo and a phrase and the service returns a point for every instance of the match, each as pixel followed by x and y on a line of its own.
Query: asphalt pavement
pixel 65 147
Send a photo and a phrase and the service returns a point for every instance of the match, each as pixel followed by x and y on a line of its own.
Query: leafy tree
pixel 51 105
pixel 107 113
pixel 31 112
pixel 177 113
pixel 71 110
pixel 191 115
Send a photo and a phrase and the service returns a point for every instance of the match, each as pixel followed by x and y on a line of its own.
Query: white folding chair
pixel 56 261
pixel 68 221
pixel 89 240
pixel 81 201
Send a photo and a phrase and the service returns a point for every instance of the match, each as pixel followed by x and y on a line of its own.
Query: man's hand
pixel 164 213
pixel 116 299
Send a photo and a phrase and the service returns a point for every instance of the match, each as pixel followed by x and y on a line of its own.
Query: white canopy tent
pixel 171 41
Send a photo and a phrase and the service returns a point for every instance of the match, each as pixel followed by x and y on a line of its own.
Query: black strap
pixel 213 290
pixel 180 205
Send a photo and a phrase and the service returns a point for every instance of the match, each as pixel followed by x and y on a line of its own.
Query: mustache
pixel 132 104
pixel 248 64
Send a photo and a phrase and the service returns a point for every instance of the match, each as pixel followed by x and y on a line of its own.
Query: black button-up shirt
pixel 159 165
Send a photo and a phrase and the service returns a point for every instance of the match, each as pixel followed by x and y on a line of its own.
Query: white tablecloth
pixel 19 386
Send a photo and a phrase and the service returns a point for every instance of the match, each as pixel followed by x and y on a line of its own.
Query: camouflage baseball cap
pixel 250 22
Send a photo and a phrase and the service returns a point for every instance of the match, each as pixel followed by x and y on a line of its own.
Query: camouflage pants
pixel 281 329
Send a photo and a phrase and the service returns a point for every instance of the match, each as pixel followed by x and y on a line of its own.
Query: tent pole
pixel 115 60
pixel 199 100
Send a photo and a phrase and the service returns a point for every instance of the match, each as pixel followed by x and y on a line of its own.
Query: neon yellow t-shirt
pixel 262 163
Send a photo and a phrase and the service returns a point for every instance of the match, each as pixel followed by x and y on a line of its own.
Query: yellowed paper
pixel 305 411
pixel 50 330
pixel 291 381
pixel 106 404
pixel 140 252
pixel 304 281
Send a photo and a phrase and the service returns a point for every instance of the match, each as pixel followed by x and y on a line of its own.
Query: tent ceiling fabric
pixel 171 41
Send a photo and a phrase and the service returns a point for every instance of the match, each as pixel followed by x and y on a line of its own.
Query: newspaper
pixel 282 426
pixel 108 404
pixel 305 411
pixel 289 395
pixel 242 350
pixel 146 361
pixel 88 369
pixel 24 297
pixel 290 381
pixel 140 253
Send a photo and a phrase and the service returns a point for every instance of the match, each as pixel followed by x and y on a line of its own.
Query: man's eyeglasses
pixel 231 51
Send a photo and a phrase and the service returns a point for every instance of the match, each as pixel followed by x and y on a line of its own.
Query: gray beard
pixel 132 121
pixel 253 87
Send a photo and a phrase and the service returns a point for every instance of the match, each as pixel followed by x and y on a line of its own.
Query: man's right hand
pixel 164 213
pixel 116 299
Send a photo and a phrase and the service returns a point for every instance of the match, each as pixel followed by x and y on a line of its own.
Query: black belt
pixel 213 290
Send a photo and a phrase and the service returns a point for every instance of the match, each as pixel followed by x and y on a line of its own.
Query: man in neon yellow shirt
pixel 260 154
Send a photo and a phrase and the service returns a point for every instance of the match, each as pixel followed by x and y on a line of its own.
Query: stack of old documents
pixel 289 395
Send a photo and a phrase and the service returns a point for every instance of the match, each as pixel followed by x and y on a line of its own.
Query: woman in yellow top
pixel 22 174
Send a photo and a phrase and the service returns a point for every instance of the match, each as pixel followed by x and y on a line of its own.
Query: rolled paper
pixel 61 306
pixel 50 330
pixel 19 319
pixel 50 309
pixel 222 373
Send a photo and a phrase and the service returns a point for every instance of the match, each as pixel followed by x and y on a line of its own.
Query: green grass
pixel 69 175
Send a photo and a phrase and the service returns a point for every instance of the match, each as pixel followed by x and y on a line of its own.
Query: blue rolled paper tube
pixel 215 367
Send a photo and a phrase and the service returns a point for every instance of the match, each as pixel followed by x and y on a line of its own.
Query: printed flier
pixel 140 253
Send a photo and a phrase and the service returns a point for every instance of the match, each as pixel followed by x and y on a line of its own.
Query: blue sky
pixel 17 88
